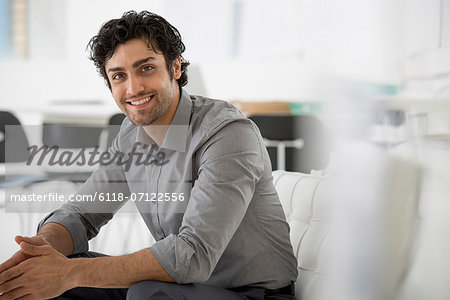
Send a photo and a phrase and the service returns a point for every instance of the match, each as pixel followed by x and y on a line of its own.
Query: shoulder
pixel 211 115
pixel 217 122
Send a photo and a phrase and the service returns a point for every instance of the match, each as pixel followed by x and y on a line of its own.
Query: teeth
pixel 141 101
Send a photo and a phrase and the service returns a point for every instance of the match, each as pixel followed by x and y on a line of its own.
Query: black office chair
pixel 14 143
pixel 304 137
pixel 74 137
pixel 113 127
pixel 14 149
pixel 71 135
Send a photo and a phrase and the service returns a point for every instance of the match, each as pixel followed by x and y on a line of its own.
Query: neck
pixel 158 129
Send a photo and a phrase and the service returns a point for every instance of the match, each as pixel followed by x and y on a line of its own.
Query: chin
pixel 141 122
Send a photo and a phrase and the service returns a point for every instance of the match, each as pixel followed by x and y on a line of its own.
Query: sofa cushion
pixel 306 201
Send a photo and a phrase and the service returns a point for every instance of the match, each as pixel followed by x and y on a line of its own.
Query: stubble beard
pixel 143 117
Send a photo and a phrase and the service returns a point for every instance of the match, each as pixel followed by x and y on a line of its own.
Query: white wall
pixel 66 72
pixel 279 53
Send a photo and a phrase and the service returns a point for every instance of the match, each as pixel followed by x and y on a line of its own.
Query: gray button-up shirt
pixel 218 218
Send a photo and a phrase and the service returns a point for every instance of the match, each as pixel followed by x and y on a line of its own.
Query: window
pixel 13 28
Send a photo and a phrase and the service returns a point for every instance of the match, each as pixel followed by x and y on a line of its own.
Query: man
pixel 220 231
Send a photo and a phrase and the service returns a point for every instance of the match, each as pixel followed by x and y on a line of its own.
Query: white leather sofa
pixel 360 232
pixel 306 202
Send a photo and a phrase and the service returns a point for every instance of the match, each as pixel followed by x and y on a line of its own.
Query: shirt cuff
pixel 174 255
pixel 75 227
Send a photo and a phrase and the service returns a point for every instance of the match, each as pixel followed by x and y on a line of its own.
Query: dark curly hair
pixel 159 33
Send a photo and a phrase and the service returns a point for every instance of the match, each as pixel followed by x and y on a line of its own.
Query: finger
pixel 34 250
pixel 38 241
pixel 27 297
pixel 34 240
pixel 11 262
pixel 20 238
pixel 15 293
pixel 8 279
pixel 7 264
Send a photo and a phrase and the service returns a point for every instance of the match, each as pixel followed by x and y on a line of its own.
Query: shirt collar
pixel 177 134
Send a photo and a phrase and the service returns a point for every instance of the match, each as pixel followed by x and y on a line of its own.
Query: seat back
pixel 306 201
pixel 71 135
pixel 113 127
pixel 13 141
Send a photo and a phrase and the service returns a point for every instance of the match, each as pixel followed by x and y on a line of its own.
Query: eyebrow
pixel 134 65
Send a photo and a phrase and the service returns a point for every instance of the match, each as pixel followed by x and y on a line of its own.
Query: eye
pixel 118 76
pixel 147 68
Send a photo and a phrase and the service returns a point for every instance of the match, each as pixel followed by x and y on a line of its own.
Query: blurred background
pixel 336 88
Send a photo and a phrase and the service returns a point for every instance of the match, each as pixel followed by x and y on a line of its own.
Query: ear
pixel 177 68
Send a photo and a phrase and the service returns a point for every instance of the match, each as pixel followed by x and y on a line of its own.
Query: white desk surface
pixel 89 112
pixel 418 105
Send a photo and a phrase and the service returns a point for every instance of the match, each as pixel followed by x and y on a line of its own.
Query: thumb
pixel 35 240
pixel 34 250
pixel 20 239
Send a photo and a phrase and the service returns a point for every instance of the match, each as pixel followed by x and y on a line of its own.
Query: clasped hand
pixel 36 271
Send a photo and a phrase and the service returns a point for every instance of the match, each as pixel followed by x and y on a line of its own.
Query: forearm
pixel 58 237
pixel 117 271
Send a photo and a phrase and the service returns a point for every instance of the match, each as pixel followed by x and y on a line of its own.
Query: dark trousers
pixel 156 290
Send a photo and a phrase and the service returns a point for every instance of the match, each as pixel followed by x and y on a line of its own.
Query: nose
pixel 134 85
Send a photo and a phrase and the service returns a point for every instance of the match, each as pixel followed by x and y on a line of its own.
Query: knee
pixel 154 290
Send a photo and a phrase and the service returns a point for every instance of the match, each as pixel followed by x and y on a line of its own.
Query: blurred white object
pixel 352 235
pixel 375 223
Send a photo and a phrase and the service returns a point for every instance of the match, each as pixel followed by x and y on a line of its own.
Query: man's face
pixel 141 84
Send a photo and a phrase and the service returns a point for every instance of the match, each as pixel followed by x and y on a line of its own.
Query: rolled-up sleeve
pixel 229 166
pixel 73 224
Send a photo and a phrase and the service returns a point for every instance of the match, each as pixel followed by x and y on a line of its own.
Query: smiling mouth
pixel 140 102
